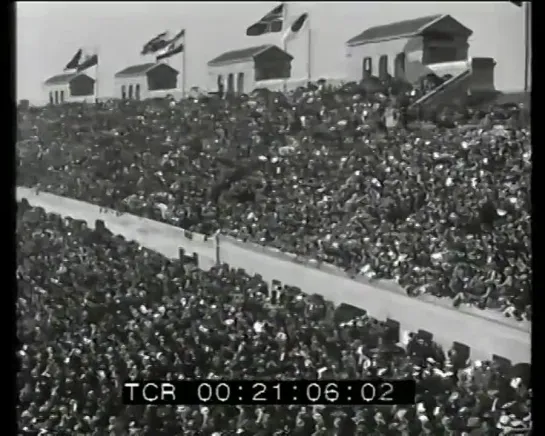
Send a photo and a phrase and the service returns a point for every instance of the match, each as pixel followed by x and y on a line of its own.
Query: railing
pixel 443 87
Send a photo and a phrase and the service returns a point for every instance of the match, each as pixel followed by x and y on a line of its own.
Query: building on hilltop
pixel 70 87
pixel 145 81
pixel 240 71
pixel 413 49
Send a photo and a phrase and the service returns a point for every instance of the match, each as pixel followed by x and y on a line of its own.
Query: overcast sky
pixel 49 33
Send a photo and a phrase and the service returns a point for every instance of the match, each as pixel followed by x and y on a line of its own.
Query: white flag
pixel 295 28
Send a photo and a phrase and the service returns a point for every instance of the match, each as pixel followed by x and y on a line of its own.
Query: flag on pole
pixel 156 43
pixel 74 62
pixel 295 28
pixel 272 22
pixel 89 59
pixel 175 46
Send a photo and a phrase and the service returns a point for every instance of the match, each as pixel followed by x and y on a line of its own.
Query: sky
pixel 49 33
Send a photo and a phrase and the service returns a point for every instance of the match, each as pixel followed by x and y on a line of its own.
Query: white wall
pixel 240 67
pixel 413 56
pixel 294 83
pixel 52 88
pixel 175 93
pixel 141 80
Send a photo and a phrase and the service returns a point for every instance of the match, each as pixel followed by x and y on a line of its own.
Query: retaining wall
pixel 486 333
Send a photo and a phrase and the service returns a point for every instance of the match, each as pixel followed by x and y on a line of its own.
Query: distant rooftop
pixel 242 54
pixel 139 70
pixel 390 30
pixel 61 79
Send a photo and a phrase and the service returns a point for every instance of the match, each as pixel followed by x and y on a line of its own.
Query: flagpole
pixel 309 52
pixel 527 42
pixel 284 41
pixel 96 74
pixel 184 63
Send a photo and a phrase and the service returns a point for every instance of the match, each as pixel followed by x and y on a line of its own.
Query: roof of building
pixel 61 79
pixel 139 70
pixel 243 54
pixel 400 28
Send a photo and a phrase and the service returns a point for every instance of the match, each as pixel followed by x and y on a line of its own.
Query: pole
pixel 527 48
pixel 184 64
pixel 284 41
pixel 97 78
pixel 285 48
pixel 309 52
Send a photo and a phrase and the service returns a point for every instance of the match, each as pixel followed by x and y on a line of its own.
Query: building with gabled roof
pixel 405 49
pixel 147 80
pixel 69 87
pixel 419 50
pixel 405 28
pixel 240 71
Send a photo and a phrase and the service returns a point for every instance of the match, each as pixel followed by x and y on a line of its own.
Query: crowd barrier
pixel 483 333
pixel 152 234
pixel 388 285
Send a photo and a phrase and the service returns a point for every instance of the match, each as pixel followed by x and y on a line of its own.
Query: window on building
pixel 271 71
pixel 162 78
pixel 383 67
pixel 230 83
pixel 51 101
pixel 137 91
pixel 399 66
pixel 220 83
pixel 260 74
pixel 56 97
pixel 436 55
pixel 81 86
pixel 130 92
pixel 123 92
pixel 367 67
pixel 62 96
pixel 240 83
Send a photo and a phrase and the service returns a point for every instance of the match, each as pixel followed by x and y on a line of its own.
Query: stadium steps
pixel 449 90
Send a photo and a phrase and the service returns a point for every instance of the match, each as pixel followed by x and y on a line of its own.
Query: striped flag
pixel 156 43
pixel 295 28
pixel 74 62
pixel 175 46
pixel 272 22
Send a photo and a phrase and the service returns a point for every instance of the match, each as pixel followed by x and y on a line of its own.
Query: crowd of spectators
pixel 343 176
pixel 95 309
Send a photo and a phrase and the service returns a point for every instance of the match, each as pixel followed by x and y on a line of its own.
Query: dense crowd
pixel 95 309
pixel 343 176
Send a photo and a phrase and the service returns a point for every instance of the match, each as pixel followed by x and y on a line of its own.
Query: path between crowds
pixel 161 237
pixel 485 337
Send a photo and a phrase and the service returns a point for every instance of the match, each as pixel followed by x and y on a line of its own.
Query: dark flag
pixel 269 23
pixel 74 62
pixel 155 44
pixel 89 60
